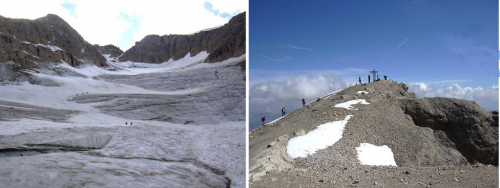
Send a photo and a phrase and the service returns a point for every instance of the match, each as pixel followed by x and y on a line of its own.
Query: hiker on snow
pixel 283 112
pixel 263 119
pixel 303 102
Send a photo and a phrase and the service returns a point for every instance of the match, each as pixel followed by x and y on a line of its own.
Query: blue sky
pixel 433 46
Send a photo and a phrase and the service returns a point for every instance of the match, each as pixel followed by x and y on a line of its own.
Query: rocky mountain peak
pixel 221 43
pixel 423 134
pixel 42 43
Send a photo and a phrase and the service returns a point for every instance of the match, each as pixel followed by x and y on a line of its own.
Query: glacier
pixel 175 124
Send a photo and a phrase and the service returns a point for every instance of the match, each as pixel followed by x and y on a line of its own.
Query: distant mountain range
pixel 46 41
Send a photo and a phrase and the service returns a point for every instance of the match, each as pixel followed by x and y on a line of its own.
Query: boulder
pixel 299 132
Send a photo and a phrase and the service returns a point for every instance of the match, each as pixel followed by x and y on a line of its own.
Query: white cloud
pixel 290 92
pixel 267 99
pixel 287 58
pixel 298 47
pixel 263 76
pixel 100 22
pixel 487 99
pixel 297 88
pixel 229 6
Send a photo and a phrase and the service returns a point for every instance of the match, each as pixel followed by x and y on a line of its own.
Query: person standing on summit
pixel 368 78
pixel 283 112
pixel 360 80
pixel 303 102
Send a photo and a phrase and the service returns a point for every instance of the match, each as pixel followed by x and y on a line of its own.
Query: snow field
pixel 369 154
pixel 348 104
pixel 325 135
pixel 221 146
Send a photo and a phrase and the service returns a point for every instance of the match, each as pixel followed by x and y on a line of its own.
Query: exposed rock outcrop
pixel 29 44
pixel 221 43
pixel 112 50
pixel 472 129
pixel 46 39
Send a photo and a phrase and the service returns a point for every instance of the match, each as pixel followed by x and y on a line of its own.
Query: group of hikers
pixel 369 79
pixel 263 119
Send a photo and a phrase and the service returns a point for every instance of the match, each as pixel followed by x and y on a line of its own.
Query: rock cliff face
pixel 425 135
pixel 41 43
pixel 221 43
pixel 472 130
pixel 31 43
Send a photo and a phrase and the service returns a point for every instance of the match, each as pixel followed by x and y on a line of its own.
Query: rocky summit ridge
pixel 441 142
pixel 45 42
pixel 221 43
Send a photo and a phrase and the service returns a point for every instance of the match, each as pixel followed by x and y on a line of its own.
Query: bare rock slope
pixel 221 43
pixel 31 44
pixel 439 142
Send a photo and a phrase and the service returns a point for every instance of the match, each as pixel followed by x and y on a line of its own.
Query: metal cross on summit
pixel 374 73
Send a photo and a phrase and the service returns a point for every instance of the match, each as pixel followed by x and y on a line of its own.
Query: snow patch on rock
pixel 362 92
pixel 325 135
pixel 274 121
pixel 348 104
pixel 369 154
pixel 330 94
pixel 51 47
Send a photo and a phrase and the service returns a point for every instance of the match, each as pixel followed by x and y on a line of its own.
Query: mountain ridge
pixel 47 41
pixel 424 135
pixel 221 43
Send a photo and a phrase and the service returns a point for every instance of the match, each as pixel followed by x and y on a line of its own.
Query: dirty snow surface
pixel 348 104
pixel 175 124
pixel 369 154
pixel 322 137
